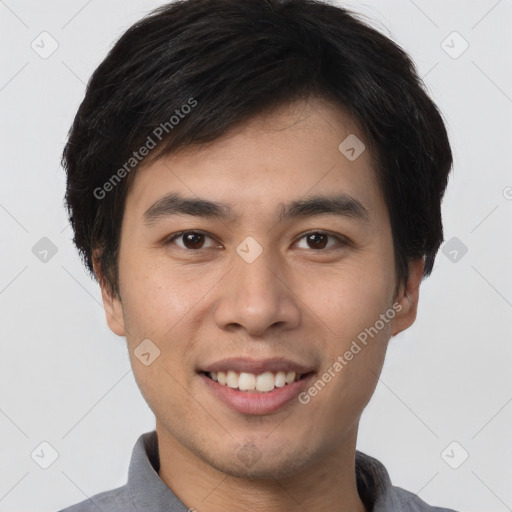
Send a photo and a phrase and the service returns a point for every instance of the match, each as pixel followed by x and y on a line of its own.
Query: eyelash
pixel 342 241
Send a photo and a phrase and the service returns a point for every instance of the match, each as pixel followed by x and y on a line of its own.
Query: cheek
pixel 355 312
pixel 353 360
pixel 348 301
pixel 156 307
pixel 165 305
pixel 157 298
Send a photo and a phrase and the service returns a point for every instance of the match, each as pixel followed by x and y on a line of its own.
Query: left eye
pixel 319 240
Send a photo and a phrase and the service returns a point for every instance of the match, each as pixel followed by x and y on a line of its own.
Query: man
pixel 256 186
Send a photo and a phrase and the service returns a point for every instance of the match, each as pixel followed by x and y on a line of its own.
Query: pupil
pixel 193 239
pixel 318 239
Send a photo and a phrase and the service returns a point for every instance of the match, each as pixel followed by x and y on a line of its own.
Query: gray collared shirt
pixel 146 492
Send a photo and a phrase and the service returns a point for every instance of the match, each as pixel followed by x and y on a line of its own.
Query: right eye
pixel 189 240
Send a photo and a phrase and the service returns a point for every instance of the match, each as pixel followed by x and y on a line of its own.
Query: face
pixel 271 281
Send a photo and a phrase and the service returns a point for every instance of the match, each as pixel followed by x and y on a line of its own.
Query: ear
pixel 111 301
pixel 406 301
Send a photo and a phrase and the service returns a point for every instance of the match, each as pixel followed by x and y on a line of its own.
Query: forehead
pixel 298 150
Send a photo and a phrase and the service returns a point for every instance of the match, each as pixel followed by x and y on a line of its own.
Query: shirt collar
pixel 374 485
pixel 147 490
pixel 150 494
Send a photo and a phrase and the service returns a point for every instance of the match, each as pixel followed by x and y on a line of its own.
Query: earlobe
pixel 407 298
pixel 111 302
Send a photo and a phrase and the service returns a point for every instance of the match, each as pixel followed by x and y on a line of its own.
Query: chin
pixel 256 462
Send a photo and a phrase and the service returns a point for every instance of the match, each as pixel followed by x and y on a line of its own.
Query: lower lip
pixel 256 403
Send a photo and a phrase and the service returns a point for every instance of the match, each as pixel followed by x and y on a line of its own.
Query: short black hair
pixel 227 61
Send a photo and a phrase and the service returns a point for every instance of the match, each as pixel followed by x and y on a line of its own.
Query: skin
pixel 295 300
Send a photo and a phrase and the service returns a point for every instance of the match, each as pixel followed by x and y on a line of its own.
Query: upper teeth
pixel 266 381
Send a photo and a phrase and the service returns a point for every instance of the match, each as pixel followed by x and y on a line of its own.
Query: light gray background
pixel 66 379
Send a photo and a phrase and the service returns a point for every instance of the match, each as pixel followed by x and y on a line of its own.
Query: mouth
pixel 256 393
pixel 265 382
pixel 257 387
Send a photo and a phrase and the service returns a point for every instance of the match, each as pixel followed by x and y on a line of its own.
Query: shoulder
pixel 380 495
pixel 115 500
pixel 410 502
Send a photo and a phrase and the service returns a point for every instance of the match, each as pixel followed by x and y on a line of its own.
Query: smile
pixel 272 396
pixel 261 383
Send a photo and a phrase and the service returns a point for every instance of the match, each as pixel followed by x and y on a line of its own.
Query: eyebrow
pixel 342 205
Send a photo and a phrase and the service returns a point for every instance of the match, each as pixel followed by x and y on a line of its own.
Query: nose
pixel 257 296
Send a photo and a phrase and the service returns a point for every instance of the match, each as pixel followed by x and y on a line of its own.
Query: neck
pixel 329 483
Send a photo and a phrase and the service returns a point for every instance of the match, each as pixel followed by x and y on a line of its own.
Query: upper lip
pixel 246 365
